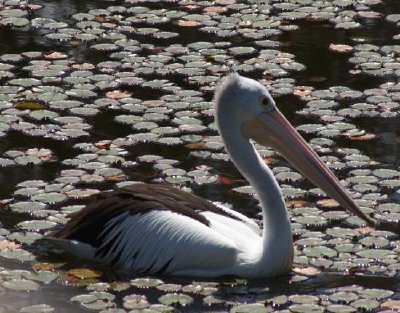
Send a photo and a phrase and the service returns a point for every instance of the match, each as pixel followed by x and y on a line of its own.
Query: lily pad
pixel 178 299
pixel 21 284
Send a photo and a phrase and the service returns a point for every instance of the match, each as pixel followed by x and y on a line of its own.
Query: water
pixel 324 69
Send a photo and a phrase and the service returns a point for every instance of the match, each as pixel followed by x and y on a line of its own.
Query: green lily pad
pixel 342 296
pixel 250 308
pixel 339 308
pixel 21 285
pixel 175 299
pixel 145 282
pixel 365 304
pixel 320 252
pixel 306 308
pixel 36 225
pixel 38 308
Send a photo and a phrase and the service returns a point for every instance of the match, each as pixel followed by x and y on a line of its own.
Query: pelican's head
pixel 245 106
pixel 242 97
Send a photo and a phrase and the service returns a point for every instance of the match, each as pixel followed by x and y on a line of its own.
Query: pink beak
pixel 273 129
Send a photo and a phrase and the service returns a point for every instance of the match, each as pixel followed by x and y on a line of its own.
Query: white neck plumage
pixel 277 237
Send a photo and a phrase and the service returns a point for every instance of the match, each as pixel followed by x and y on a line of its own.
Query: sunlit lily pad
pixel 135 301
pixel 36 225
pixel 84 273
pixel 26 237
pixel 365 304
pixel 320 252
pixel 51 197
pixel 38 308
pixel 21 284
pixel 145 282
pixel 250 308
pixel 303 308
pixel 178 299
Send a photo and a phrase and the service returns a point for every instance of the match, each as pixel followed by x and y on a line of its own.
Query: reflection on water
pixel 324 69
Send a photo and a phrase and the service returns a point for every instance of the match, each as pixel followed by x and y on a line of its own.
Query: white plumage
pixel 160 229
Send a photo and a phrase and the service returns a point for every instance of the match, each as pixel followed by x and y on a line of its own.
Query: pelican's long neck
pixel 277 238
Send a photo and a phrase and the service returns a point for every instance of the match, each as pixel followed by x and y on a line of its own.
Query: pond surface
pixel 99 94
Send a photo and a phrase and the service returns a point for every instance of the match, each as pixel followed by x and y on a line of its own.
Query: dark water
pixel 309 44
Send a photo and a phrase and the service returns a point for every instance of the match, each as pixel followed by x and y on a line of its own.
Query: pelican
pixel 159 229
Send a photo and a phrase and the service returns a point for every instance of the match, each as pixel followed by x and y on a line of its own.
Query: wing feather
pixel 165 241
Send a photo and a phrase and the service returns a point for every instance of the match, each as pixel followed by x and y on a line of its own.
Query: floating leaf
pixel 84 273
pixel 341 48
pixel 135 302
pixel 391 304
pixel 36 225
pixel 38 266
pixel 37 308
pixel 29 105
pixel 308 271
pixel 55 55
pixel 21 284
pixel 145 282
pixel 117 94
pixel 188 23
pixel 175 299
pixel 10 245
pixel 250 308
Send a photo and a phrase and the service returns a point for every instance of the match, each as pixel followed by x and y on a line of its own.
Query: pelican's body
pixel 160 229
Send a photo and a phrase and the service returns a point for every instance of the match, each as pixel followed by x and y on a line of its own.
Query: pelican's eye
pixel 266 103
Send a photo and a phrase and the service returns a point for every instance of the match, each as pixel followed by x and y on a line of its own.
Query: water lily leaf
pixel 328 203
pixel 84 298
pixel 250 308
pixel 175 299
pixel 117 94
pixel 84 273
pixel 386 173
pixel 343 296
pixel 339 308
pixel 25 82
pixel 188 23
pixel 341 48
pixel 42 276
pixel 135 302
pixel 375 253
pixel 391 304
pixel 308 271
pixel 39 266
pixel 29 105
pixel 37 308
pixel 15 21
pixel 309 308
pixel 55 55
pixel 302 91
pixel 365 304
pixel 362 137
pixel 9 245
pixel 50 197
pixel 320 252
pixel 375 293
pixel 145 282
pixel 105 47
pixel 25 237
pixel 169 287
pixel 21 284
pixel 348 25
pixel 36 225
